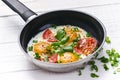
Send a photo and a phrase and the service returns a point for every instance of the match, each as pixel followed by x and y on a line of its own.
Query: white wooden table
pixel 15 66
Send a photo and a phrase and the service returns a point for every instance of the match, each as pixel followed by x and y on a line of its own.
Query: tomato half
pixel 86 46
pixel 53 58
pixel 49 36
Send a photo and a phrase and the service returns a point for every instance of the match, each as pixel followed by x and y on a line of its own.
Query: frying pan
pixel 37 23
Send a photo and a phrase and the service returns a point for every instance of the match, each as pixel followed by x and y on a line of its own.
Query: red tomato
pixel 53 58
pixel 47 33
pixel 86 45
pixel 49 36
pixel 52 39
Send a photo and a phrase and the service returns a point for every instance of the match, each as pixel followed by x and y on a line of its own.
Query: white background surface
pixel 15 66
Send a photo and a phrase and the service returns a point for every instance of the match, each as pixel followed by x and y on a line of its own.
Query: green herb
pixel 79 72
pixel 74 44
pixel 114 63
pixel 53 26
pixel 96 48
pixel 112 52
pixel 107 40
pixel 30 48
pixel 82 68
pixel 59 51
pixel 76 40
pixel 118 69
pixel 96 55
pixel 108 52
pixel 117 55
pixel 46 59
pixel 55 43
pixel 60 34
pixel 58 61
pixel 114 72
pixel 55 47
pixel 48 48
pixel 91 62
pixel 113 57
pixel 93 75
pixel 76 29
pixel 104 59
pixel 37 56
pixel 68 49
pixel 94 67
pixel 35 41
pixel 64 40
pixel 105 67
pixel 52 51
pixel 88 35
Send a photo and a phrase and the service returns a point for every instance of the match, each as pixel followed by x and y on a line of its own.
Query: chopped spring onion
pixel 104 59
pixel 53 26
pixel 35 41
pixel 37 56
pixel 105 67
pixel 88 35
pixel 79 72
pixel 30 48
pixel 91 62
pixel 46 59
pixel 118 69
pixel 107 40
pixel 94 67
pixel 76 29
pixel 93 75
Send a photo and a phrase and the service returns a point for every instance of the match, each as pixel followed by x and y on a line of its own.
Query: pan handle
pixel 20 8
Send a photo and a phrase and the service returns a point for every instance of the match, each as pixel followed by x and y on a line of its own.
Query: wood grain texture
pixel 13 63
pixel 48 5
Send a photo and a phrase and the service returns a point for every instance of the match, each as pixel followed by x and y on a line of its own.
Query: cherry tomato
pixel 53 58
pixel 52 39
pixel 86 45
pixel 49 36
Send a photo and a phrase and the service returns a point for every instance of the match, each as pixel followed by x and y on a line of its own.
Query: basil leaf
pixel 68 49
pixel 55 44
pixel 64 40
pixel 60 34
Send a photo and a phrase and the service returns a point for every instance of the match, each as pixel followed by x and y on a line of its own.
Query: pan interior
pixel 64 17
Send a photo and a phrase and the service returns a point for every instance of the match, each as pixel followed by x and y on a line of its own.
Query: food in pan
pixel 62 44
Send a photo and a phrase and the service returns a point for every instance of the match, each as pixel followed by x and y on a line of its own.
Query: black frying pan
pixel 61 17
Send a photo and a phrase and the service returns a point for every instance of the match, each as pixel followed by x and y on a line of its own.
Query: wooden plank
pixel 15 63
pixel 8 35
pixel 43 75
pixel 48 5
pixel 10 49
